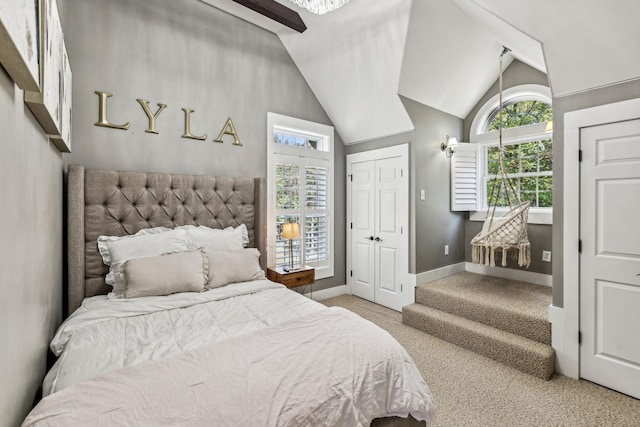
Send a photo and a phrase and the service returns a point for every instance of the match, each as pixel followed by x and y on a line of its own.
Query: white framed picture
pixel 19 42
pixel 45 103
pixel 63 140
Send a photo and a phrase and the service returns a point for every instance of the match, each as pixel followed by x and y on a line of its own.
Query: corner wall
pixel 562 105
pixel 432 224
pixel 185 54
pixel 30 252
pixel 540 236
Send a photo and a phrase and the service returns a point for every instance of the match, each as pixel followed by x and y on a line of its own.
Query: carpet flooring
pixel 472 390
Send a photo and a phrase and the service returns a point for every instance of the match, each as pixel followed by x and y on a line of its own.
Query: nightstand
pixel 291 279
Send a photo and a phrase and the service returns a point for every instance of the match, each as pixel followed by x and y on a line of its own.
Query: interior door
pixel 610 258
pixel 377 213
pixel 388 239
pixel 362 272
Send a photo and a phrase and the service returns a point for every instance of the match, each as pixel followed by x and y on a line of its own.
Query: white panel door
pixel 389 253
pixel 363 230
pixel 610 259
pixel 377 213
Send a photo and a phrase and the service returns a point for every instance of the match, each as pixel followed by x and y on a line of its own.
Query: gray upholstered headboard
pixel 117 203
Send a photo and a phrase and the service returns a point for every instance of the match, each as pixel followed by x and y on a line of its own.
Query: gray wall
pixel 540 236
pixel 432 225
pixel 593 98
pixel 30 252
pixel 184 54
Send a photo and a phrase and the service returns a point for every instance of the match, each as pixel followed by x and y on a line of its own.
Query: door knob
pixel 369 238
pixel 378 239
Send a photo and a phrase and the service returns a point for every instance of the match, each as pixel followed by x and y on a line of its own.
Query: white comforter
pixel 248 354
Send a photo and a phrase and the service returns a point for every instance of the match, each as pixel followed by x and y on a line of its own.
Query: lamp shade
pixel 452 142
pixel 290 230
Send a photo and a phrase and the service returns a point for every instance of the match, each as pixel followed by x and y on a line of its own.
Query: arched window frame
pixel 511 136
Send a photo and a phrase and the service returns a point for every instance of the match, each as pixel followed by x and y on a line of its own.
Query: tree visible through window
pixel 529 164
pixel 519 113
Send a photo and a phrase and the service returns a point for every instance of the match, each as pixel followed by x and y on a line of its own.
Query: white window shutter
pixel 465 178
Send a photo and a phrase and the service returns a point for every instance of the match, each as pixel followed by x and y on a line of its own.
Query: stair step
pixel 516 307
pixel 510 349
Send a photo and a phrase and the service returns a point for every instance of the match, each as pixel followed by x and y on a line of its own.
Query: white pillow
pixel 213 239
pixel 162 275
pixel 233 267
pixel 145 243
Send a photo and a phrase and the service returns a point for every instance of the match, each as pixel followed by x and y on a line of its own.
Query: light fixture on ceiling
pixel 449 146
pixel 320 7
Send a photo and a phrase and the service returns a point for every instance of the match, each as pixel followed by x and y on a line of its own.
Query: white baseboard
pixel 327 293
pixel 566 362
pixel 510 273
pixel 437 274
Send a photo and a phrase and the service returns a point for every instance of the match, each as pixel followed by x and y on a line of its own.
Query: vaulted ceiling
pixel 444 53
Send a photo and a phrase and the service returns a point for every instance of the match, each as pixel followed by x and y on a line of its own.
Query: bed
pixel 243 351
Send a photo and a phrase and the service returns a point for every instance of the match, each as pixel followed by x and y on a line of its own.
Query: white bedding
pixel 252 353
pixel 105 334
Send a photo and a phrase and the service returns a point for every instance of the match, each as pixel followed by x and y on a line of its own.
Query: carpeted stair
pixel 502 319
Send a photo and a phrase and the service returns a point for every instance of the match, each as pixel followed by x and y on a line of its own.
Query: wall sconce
pixel 449 146
pixel 291 230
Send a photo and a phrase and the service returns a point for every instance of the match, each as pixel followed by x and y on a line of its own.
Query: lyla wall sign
pixel 103 120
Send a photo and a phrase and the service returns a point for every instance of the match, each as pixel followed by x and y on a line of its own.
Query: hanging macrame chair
pixel 503 234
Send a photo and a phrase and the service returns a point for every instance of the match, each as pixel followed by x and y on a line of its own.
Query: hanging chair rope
pixel 507 233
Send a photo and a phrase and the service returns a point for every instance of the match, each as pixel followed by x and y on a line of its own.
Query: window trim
pixel 509 137
pixel 274 150
pixel 530 91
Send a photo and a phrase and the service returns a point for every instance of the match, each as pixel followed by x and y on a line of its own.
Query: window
pixel 300 189
pixel 527 145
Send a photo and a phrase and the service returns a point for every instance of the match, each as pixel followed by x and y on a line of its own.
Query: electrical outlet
pixel 423 195
pixel 446 249
pixel 546 256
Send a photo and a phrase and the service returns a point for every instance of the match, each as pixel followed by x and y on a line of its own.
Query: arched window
pixel 527 142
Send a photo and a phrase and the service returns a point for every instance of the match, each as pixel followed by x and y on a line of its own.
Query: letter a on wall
pixel 229 129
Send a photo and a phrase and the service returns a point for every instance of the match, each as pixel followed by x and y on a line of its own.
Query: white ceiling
pixel 444 53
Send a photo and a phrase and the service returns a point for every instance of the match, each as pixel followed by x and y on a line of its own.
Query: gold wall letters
pixel 227 129
pixel 187 126
pixel 152 117
pixel 102 112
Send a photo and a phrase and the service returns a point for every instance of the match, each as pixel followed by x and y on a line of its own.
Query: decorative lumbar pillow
pixel 233 267
pixel 163 275
pixel 213 239
pixel 145 243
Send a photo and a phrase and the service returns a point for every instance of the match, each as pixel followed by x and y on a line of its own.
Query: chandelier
pixel 320 7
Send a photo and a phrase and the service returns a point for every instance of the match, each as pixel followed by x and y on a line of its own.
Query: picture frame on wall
pixel 63 140
pixel 51 104
pixel 19 42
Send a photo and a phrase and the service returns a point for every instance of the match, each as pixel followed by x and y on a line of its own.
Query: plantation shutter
pixel 465 178
pixel 302 197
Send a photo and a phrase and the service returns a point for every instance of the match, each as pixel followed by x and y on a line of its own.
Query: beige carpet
pixel 472 390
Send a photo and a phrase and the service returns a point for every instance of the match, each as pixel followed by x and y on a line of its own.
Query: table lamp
pixel 291 230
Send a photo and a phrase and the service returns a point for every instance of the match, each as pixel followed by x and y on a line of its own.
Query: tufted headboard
pixel 117 203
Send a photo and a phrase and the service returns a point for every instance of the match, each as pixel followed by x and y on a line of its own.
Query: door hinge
pixel 400 287
pixel 401 172
pixel 580 246
pixel 401 230
pixel 579 155
pixel 351 177
pixel 351 273
pixel 351 225
pixel 579 337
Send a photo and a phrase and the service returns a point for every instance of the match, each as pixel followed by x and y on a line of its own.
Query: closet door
pixel 363 229
pixel 377 213
pixel 388 239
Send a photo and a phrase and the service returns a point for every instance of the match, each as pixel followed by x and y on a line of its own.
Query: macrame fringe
pixel 486 254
